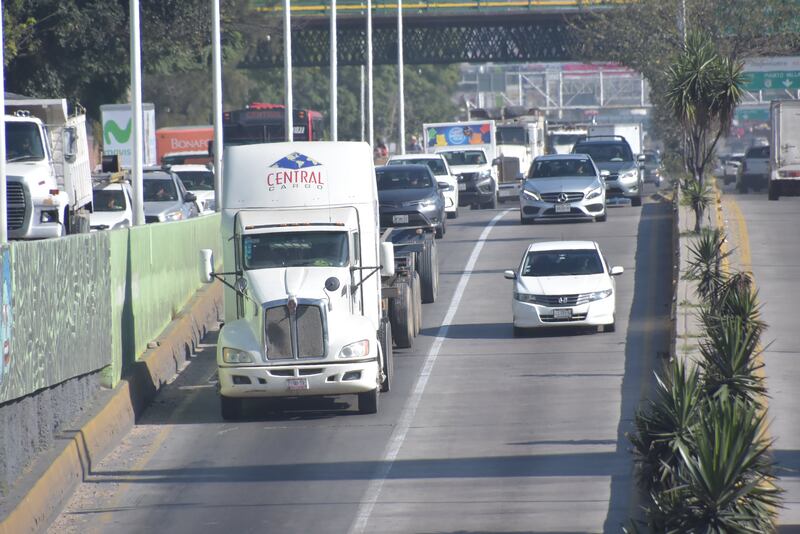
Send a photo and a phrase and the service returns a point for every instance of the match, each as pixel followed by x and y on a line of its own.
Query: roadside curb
pixel 159 365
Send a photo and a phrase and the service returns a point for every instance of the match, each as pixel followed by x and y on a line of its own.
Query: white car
pixel 563 283
pixel 198 180
pixel 112 205
pixel 476 173
pixel 441 170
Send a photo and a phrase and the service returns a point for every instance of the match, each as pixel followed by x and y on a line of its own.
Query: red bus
pixel 266 123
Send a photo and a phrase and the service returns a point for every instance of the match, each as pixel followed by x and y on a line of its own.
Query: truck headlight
pixel 594 193
pixel 359 349
pixel 484 175
pixel 532 194
pixel 629 176
pixel 173 215
pixel 597 295
pixel 230 355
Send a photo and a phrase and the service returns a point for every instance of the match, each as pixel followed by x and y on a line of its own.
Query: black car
pixel 410 196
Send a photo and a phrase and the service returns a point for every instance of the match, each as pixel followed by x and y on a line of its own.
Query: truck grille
pixel 553 197
pixel 16 205
pixel 301 336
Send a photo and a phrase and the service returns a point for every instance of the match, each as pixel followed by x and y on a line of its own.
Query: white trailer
pixel 48 174
pixel 303 263
pixel 631 132
pixel 784 171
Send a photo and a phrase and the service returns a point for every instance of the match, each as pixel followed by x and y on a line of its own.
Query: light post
pixel 136 110
pixel 216 58
pixel 287 68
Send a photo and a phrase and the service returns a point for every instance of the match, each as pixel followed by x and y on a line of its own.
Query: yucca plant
pixel 726 480
pixel 664 423
pixel 738 297
pixel 698 196
pixel 730 361
pixel 705 263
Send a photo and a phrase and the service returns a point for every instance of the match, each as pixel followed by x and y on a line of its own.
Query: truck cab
pixel 302 265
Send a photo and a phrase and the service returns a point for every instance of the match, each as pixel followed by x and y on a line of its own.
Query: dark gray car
pixel 409 195
pixel 621 170
pixel 166 198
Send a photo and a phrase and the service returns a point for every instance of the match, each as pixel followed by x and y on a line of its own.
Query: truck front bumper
pixel 34 228
pixel 298 380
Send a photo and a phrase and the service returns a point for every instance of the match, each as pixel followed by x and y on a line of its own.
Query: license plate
pixel 400 219
pixel 563 208
pixel 296 384
pixel 462 187
pixel 565 313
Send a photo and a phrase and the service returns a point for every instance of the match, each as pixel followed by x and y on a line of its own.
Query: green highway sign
pixel 751 114
pixel 772 80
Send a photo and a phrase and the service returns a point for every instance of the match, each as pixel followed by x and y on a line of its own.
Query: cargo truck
pixel 784 166
pixel 185 142
pixel 312 288
pixel 631 132
pixel 48 174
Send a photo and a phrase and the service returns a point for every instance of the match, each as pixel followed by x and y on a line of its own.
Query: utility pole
pixel 401 105
pixel 136 110
pixel 370 121
pixel 216 59
pixel 287 69
pixel 3 196
pixel 334 64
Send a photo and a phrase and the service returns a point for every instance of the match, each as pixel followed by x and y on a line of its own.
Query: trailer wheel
pixel 416 292
pixel 429 272
pixel 368 402
pixel 231 408
pixel 385 334
pixel 402 317
pixel 773 190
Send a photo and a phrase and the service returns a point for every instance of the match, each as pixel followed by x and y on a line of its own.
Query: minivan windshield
pixel 23 142
pixel 436 165
pixel 159 190
pixel 605 152
pixel 555 168
pixel 403 179
pixel 465 157
pixel 295 249
pixel 562 263
pixel 197 180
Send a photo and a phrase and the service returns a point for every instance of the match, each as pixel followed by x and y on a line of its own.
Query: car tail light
pixel 789 174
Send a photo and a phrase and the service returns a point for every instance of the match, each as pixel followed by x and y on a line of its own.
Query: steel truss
pixel 479 38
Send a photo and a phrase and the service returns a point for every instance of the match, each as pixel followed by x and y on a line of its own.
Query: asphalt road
pixel 481 432
pixel 769 244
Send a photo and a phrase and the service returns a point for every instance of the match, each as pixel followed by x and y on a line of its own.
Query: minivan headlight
pixel 629 176
pixel 359 349
pixel 231 355
pixel 176 215
pixel 598 295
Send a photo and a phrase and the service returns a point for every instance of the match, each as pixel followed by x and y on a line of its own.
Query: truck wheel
pixel 453 214
pixel 402 312
pixel 368 402
pixel 773 190
pixel 429 271
pixel 231 408
pixel 442 228
pixel 388 357
pixel 491 204
pixel 416 296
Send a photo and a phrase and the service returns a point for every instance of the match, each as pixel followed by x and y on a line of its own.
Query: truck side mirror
pixel 387 259
pixel 640 158
pixel 206 265
pixel 69 140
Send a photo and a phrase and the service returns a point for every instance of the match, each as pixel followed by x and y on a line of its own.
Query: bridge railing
pixel 86 303
pixel 352 7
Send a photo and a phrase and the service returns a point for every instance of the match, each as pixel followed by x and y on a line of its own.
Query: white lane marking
pixel 407 416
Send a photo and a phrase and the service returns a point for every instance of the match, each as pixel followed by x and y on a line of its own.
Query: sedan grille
pixel 556 301
pixel 554 197
pixel 295 336
pixel 17 205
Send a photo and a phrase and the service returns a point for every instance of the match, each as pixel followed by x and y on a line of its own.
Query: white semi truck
pixel 48 174
pixel 519 142
pixel 784 158
pixel 310 282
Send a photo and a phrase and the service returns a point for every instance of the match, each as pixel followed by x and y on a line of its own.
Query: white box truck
pixel 784 167
pixel 631 132
pixel 48 174
pixel 308 277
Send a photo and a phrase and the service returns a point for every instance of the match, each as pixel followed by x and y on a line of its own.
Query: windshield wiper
pixel 23 158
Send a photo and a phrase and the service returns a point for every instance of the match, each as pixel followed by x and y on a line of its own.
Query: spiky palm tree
pixel 705 263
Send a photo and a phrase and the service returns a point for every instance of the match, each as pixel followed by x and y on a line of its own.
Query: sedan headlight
pixel 597 295
pixel 526 297
pixel 629 176
pixel 594 193
pixel 532 194
pixel 359 349
pixel 230 355
pixel 176 215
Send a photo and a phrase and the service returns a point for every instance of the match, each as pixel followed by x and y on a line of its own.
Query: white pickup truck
pixel 48 175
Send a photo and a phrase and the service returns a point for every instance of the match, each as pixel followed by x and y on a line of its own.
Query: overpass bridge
pixel 434 32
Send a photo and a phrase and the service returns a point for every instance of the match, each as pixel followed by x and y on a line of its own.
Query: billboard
pixel 458 134
pixel 118 132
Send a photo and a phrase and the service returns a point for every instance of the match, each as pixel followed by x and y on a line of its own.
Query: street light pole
pixel 136 110
pixel 334 65
pixel 401 106
pixel 3 198
pixel 287 68
pixel 216 59
pixel 370 120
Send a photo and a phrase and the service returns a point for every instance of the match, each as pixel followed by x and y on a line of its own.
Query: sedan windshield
pixel 197 180
pixel 554 168
pixel 109 200
pixel 562 263
pixel 605 152
pixel 465 157
pixel 159 191
pixel 403 179
pixel 295 249
pixel 435 165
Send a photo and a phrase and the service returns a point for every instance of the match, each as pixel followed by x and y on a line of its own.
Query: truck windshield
pixel 23 142
pixel 465 157
pixel 109 200
pixel 605 152
pixel 295 249
pixel 511 135
pixel 197 180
